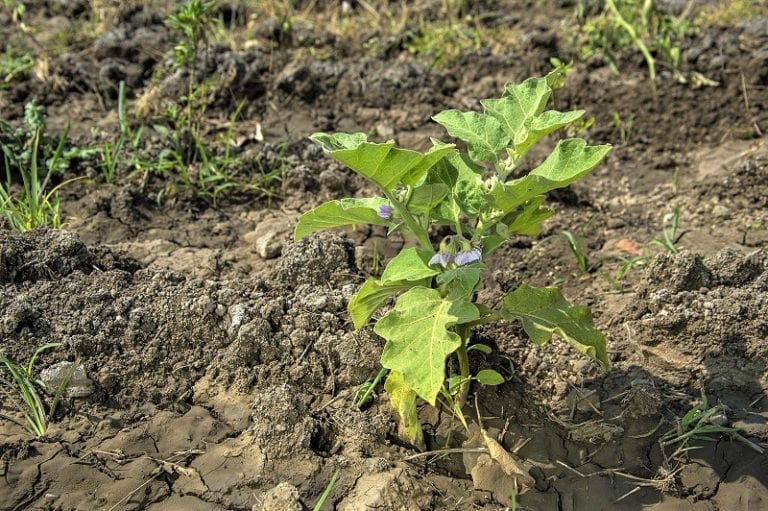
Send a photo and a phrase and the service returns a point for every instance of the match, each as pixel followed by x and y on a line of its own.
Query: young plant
pixel 21 391
pixel 192 19
pixel 644 24
pixel 623 126
pixel 435 308
pixel 327 492
pixel 578 251
pixel 32 205
pixel 112 153
pixel 13 64
pixel 669 242
pixel 699 423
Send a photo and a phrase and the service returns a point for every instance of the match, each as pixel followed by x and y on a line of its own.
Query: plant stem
pixel 636 38
pixel 410 221
pixel 463 358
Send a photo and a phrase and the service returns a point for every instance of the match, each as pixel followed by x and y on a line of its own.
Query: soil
pixel 222 359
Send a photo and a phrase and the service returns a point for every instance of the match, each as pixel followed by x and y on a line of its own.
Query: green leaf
pixel 528 220
pixel 465 180
pixel 372 295
pixel 425 197
pixel 489 377
pixel 544 312
pixel 419 340
pixel 436 153
pixel 544 124
pixel 382 164
pixel 571 160
pixel 484 135
pixel 403 400
pixel 471 197
pixel 337 141
pixel 410 264
pixel 338 213
pixel 462 281
pixel 482 348
pixel 519 104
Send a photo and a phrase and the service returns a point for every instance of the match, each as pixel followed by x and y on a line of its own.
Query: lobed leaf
pixel 403 400
pixel 411 264
pixel 544 124
pixel 528 220
pixel 426 197
pixel 337 213
pixel 372 295
pixel 419 339
pixel 484 135
pixel 544 312
pixel 571 160
pixel 461 281
pixel 382 164
pixel 464 178
pixel 338 141
pixel 519 104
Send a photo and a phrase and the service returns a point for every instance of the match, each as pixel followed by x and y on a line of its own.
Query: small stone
pixel 269 237
pixel 283 497
pixel 79 385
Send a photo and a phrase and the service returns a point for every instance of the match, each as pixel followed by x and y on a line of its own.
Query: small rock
pixel 283 497
pixel 79 384
pixel 269 237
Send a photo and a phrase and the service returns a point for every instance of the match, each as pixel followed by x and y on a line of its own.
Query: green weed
pixel 696 424
pixel 21 390
pixel 578 251
pixel 192 19
pixel 112 153
pixel 29 153
pixel 670 236
pixel 619 24
pixel 623 126
pixel 327 492
pixel 13 64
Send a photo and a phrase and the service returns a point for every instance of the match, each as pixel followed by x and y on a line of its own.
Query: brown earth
pixel 223 360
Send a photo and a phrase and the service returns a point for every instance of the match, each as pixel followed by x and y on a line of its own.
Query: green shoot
pixel 670 239
pixel 696 424
pixel 12 65
pixel 364 393
pixel 21 391
pixel 192 20
pixel 112 153
pixel 32 206
pixel 578 251
pixel 327 492
pixel 644 24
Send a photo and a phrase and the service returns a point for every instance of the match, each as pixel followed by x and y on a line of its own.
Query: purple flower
pixel 468 256
pixel 441 258
pixel 385 211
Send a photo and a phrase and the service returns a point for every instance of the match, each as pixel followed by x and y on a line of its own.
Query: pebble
pixel 79 384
